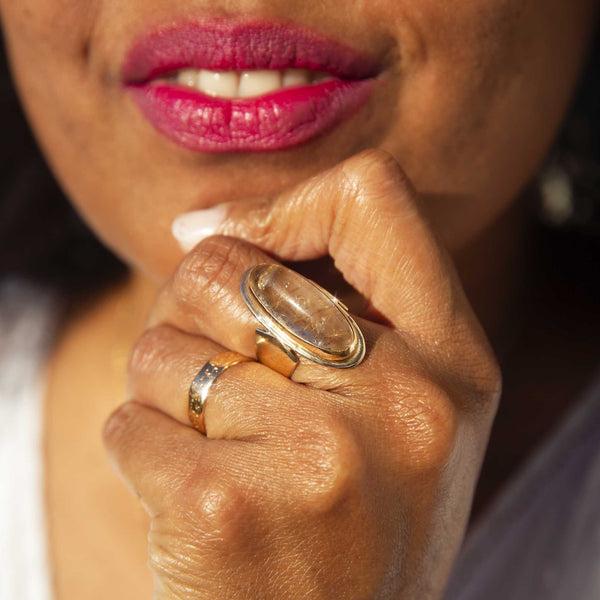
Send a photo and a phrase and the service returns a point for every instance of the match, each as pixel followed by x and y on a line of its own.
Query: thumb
pixel 363 212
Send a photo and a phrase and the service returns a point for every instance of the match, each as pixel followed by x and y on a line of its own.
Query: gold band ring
pixel 204 380
pixel 299 318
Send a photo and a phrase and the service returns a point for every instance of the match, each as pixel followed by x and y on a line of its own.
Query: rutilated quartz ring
pixel 299 319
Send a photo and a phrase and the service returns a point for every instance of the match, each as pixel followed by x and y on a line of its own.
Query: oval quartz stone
pixel 301 308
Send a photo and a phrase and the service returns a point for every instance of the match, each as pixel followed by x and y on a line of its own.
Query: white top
pixel 540 541
pixel 26 318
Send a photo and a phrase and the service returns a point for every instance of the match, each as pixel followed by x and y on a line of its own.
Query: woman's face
pixel 466 94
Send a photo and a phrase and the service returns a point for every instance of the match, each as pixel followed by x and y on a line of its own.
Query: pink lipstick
pixel 332 83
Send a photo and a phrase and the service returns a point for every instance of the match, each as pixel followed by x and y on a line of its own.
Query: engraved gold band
pixel 203 382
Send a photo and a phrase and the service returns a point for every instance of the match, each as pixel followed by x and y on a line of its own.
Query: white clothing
pixel 27 316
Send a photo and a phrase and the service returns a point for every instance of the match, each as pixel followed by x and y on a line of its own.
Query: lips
pixel 154 70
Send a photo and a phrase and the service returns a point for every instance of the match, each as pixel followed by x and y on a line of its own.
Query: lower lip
pixel 275 121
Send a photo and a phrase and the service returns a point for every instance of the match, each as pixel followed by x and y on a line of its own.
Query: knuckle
pixel 206 270
pixel 374 170
pixel 119 423
pixel 333 467
pixel 171 551
pixel 267 223
pixel 375 195
pixel 426 421
pixel 222 513
pixel 149 352
pixel 162 543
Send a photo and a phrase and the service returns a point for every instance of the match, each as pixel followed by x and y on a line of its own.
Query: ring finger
pixel 164 362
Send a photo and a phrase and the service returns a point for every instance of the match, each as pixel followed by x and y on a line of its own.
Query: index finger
pixel 365 214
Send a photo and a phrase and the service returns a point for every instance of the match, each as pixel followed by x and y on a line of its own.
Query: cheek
pixel 61 84
pixel 56 28
pixel 482 103
pixel 47 44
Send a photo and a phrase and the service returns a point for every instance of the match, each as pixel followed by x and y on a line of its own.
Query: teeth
pixel 247 84
pixel 257 83
pixel 219 83
pixel 188 77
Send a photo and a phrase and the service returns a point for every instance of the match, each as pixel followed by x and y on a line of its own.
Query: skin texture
pixel 317 474
pixel 470 97
pixel 380 460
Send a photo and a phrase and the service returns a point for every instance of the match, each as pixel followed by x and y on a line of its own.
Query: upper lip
pixel 221 45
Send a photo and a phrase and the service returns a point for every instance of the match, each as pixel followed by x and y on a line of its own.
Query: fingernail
pixel 190 228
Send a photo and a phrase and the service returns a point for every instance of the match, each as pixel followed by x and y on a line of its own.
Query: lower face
pixel 466 94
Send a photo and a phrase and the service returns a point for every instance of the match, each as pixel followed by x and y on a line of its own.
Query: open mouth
pixel 244 84
pixel 213 86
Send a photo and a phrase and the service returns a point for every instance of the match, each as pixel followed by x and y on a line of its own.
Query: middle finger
pixel 203 298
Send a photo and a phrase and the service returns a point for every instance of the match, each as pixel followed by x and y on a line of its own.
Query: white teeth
pixel 188 77
pixel 247 84
pixel 258 83
pixel 219 83
pixel 292 77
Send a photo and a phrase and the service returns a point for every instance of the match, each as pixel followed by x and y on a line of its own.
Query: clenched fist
pixel 337 483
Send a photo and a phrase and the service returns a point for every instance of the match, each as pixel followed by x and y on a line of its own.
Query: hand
pixel 337 484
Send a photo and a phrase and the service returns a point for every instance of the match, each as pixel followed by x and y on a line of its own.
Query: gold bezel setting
pixel 351 356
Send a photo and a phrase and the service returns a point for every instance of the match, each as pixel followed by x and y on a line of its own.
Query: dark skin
pixel 470 97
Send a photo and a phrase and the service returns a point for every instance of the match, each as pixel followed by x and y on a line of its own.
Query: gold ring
pixel 204 380
pixel 299 318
